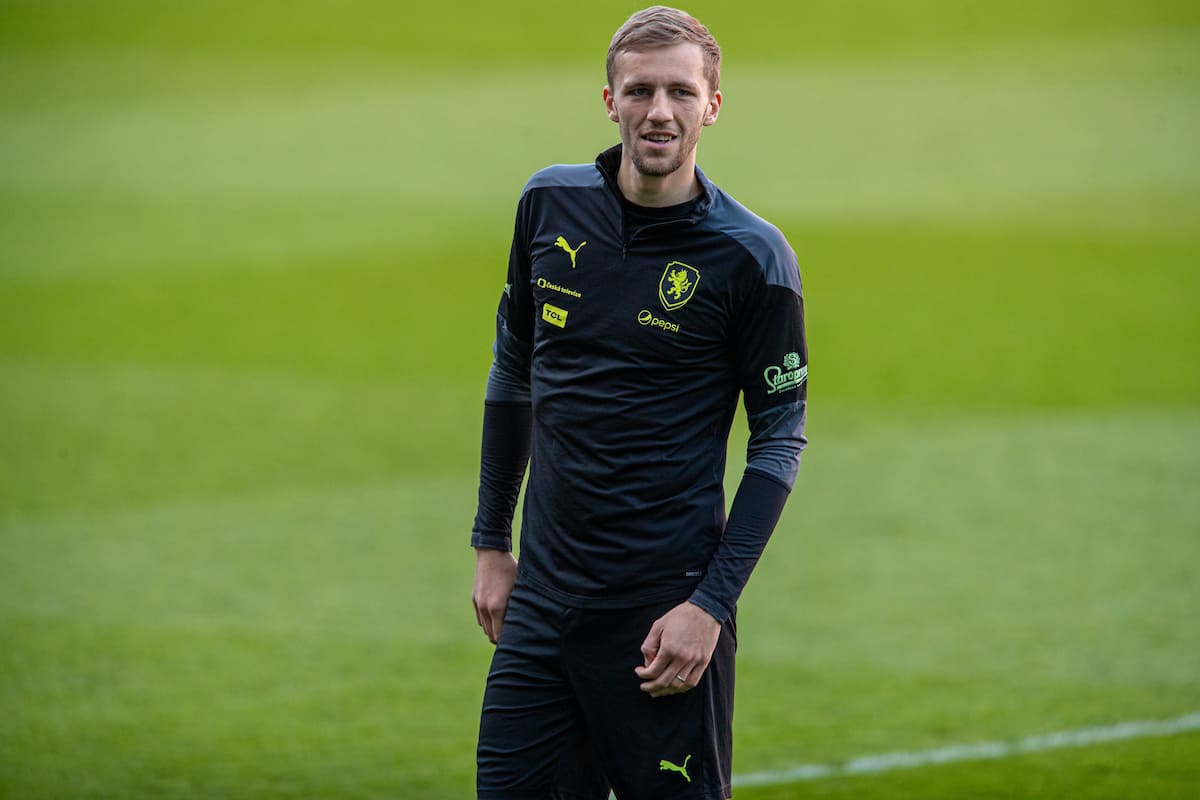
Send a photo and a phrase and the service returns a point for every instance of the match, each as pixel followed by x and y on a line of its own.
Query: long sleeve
pixel 507 415
pixel 505 453
pixel 772 362
pixel 756 508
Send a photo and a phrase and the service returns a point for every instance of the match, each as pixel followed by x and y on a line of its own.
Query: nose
pixel 660 109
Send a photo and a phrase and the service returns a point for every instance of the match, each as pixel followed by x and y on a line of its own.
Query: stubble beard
pixel 654 168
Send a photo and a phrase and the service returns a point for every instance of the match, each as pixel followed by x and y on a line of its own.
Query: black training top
pixel 631 331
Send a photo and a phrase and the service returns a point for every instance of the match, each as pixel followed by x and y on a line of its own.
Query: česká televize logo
pixel 789 376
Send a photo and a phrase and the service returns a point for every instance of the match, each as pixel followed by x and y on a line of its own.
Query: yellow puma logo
pixel 665 765
pixel 561 242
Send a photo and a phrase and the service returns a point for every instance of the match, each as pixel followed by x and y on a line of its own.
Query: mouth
pixel 658 140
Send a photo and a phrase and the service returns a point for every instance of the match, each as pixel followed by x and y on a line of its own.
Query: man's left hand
pixel 677 650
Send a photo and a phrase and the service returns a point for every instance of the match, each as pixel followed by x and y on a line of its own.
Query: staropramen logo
pixel 789 376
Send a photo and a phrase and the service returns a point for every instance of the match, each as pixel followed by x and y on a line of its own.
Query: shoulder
pixel 564 176
pixel 765 243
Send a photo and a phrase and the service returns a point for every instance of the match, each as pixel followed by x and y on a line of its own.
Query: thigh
pixel 532 742
pixel 663 748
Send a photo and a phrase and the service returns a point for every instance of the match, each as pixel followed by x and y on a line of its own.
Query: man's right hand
pixel 495 574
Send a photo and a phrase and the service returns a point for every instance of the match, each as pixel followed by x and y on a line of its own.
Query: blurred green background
pixel 249 261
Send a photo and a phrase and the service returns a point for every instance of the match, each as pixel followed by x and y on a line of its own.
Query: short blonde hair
pixel 663 26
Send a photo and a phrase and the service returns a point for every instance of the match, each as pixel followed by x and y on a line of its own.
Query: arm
pixel 680 644
pixel 772 353
pixel 505 453
pixel 507 424
pixel 772 366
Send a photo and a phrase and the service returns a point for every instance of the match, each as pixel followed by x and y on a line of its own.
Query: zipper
pixel 627 241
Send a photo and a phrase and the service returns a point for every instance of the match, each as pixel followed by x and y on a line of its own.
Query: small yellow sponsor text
pixel 554 315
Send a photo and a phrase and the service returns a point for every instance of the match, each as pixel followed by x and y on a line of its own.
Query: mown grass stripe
pixel 979 751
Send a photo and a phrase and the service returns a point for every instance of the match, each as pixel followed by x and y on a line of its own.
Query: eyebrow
pixel 637 83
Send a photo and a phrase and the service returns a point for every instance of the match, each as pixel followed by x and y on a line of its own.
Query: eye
pixel 683 93
pixel 639 91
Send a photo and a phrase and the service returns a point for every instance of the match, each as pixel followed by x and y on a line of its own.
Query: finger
pixel 653 669
pixel 664 682
pixel 486 622
pixel 678 678
pixel 497 626
pixel 652 642
pixel 671 687
pixel 481 617
pixel 684 681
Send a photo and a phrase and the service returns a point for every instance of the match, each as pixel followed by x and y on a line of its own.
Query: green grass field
pixel 249 260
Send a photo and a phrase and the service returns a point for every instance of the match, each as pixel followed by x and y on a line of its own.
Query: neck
pixel 658 191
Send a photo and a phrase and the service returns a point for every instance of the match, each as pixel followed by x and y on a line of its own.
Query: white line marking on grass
pixel 886 762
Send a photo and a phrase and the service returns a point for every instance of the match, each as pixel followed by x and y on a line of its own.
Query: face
pixel 661 100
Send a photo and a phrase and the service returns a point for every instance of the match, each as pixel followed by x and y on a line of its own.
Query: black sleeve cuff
pixel 487 541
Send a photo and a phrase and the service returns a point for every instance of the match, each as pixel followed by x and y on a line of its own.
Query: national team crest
pixel 678 284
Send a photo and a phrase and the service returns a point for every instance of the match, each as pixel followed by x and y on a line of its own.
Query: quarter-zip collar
pixel 609 162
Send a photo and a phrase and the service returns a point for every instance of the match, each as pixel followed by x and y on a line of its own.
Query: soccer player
pixel 640 301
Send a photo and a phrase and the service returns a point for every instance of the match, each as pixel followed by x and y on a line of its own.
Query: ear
pixel 610 103
pixel 714 108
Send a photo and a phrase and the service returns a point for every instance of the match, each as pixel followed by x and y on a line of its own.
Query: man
pixel 640 301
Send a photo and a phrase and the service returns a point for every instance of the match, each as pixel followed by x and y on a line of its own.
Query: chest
pixel 652 301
